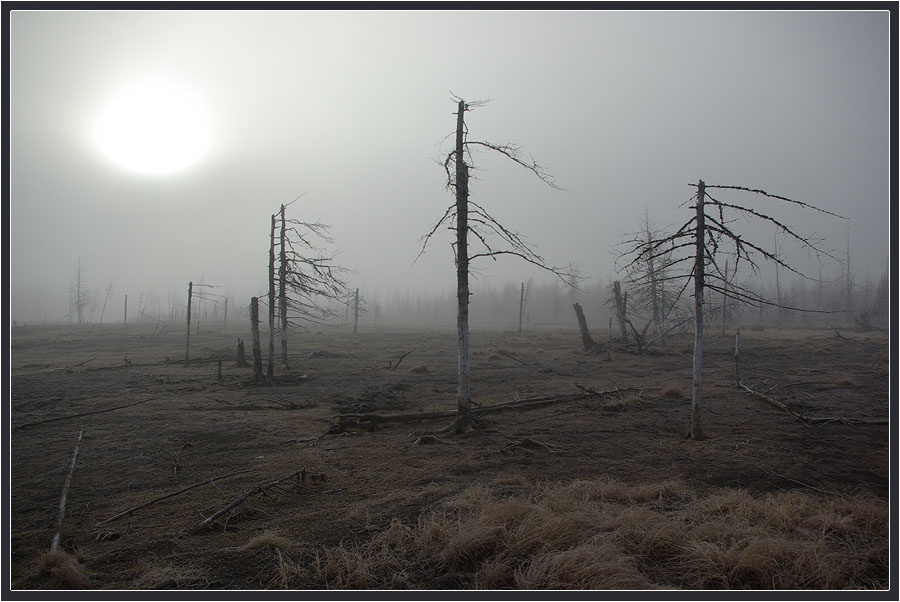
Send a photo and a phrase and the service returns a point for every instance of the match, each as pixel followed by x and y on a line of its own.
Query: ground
pixel 189 425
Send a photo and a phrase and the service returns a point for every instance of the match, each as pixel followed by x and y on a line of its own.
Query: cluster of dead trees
pixel 303 279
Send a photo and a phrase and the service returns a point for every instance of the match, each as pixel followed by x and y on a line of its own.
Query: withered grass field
pixel 602 492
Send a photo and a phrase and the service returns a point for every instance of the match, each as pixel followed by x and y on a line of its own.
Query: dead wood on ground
pixel 299 476
pixel 65 493
pixel 370 422
pixel 28 424
pixel 169 495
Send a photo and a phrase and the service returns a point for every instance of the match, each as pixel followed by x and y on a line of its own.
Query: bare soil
pixel 193 426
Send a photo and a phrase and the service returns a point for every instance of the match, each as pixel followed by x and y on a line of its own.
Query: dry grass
pixel 673 393
pixel 268 539
pixel 420 369
pixel 66 570
pixel 845 383
pixel 602 534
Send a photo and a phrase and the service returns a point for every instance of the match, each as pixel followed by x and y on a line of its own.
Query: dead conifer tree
pixel 472 218
pixel 308 280
pixel 700 241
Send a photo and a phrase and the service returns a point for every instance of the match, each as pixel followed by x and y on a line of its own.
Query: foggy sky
pixel 352 110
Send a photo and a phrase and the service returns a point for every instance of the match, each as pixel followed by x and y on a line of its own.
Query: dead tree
pixel 187 338
pixel 472 218
pixel 254 337
pixel 270 366
pixel 620 310
pixel 649 283
pixel 699 242
pixel 308 280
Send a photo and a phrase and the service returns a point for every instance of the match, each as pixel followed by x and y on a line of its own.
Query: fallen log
pixel 810 420
pixel 370 422
pixel 169 495
pixel 28 424
pixel 65 492
pixel 776 403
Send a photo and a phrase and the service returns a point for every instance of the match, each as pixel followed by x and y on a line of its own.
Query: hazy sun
pixel 153 127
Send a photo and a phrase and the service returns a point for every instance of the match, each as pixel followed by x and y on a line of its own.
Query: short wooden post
pixel 521 306
pixel 254 331
pixel 609 341
pixel 241 358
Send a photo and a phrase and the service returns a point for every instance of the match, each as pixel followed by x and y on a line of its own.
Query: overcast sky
pixel 352 110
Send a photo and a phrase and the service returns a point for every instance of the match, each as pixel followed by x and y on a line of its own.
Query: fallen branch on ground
pixel 299 475
pixel 21 426
pixel 370 422
pixel 83 363
pixel 65 492
pixel 394 367
pixel 776 403
pixel 168 495
pixel 528 443
pixel 810 420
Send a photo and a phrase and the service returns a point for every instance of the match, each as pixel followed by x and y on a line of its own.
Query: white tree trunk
pixel 697 393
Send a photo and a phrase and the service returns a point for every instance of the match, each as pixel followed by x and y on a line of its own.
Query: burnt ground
pixel 193 426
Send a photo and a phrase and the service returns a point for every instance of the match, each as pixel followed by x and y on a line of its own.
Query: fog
pixel 351 112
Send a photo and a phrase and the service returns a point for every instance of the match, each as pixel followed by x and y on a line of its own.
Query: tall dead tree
pixel 700 242
pixel 270 366
pixel 472 218
pixel 308 280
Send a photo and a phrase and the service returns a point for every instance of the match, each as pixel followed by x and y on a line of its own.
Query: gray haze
pixel 353 109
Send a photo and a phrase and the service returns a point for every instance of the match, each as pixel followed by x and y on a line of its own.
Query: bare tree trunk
pixel 126 309
pixel 620 310
pixel 187 342
pixel 849 280
pixel 254 335
pixel 463 407
pixel 225 319
pixel 778 285
pixel 724 296
pixel 737 357
pixel 355 311
pixel 586 339
pixel 270 366
pixel 521 306
pixel 696 426
pixel 282 294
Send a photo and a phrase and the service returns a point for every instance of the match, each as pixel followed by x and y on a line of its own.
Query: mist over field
pixel 353 112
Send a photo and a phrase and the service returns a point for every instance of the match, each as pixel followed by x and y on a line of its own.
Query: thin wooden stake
pixel 65 492
pixel 737 356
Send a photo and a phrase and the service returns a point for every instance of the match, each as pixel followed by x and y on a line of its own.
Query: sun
pixel 153 127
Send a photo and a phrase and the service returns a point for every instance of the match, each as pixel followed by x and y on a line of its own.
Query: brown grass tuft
pixel 65 569
pixel 673 393
pixel 420 369
pixel 845 383
pixel 268 539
